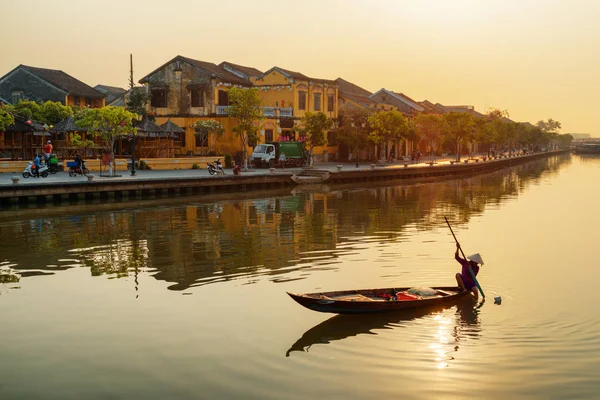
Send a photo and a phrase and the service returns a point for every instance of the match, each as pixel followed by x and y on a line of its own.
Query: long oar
pixel 463 254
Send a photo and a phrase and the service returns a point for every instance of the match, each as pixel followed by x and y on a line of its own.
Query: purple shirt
pixel 466 275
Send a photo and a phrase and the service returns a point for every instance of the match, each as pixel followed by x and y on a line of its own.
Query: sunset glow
pixel 536 59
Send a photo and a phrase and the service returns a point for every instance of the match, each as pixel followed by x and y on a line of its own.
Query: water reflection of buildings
pixel 196 244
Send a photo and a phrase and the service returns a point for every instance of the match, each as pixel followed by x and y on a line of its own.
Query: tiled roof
pixel 363 100
pixel 170 127
pixel 462 108
pixel 250 71
pixel 217 70
pixel 350 88
pixel 298 76
pixel 147 126
pixel 66 125
pixel 407 98
pixel 65 82
pixel 432 108
pixel 214 69
pixel 112 92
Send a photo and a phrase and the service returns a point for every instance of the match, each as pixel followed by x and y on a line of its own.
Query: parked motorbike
pixel 76 169
pixel 31 171
pixel 52 164
pixel 215 168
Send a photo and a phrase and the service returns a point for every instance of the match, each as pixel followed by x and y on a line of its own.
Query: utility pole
pixel 134 134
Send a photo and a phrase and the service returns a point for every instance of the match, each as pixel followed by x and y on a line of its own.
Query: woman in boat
pixel 464 279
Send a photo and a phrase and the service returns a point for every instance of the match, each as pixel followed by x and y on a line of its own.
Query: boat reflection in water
pixel 343 326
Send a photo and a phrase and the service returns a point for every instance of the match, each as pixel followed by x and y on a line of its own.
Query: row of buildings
pixel 184 90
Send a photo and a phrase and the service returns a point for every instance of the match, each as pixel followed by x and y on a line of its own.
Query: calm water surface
pixel 185 298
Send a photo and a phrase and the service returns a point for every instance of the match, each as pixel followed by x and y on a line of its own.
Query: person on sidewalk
pixel 282 159
pixel 48 150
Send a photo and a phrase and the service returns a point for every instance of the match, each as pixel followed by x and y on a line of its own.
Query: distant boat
pixel 365 301
pixel 311 176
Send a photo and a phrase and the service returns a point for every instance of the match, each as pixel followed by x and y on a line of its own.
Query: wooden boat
pixel 375 300
pixel 311 176
pixel 342 326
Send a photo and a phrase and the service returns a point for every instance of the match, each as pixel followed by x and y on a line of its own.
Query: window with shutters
pixel 317 102
pixel 330 102
pixel 159 98
pixel 197 97
pixel 302 100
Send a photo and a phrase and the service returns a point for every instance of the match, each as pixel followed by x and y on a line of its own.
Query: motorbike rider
pixel 37 165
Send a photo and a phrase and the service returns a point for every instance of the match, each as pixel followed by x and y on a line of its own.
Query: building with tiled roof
pixel 112 93
pixel 42 84
pixel 399 100
pixel 241 70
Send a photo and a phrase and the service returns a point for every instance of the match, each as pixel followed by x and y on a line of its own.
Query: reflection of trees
pixel 202 243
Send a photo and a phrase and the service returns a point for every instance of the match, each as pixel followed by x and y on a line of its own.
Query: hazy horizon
pixel 535 59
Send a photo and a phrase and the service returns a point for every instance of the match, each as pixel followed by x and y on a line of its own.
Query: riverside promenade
pixel 62 187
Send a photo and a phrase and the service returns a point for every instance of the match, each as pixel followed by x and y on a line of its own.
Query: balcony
pixel 286 112
pixel 278 112
pixel 274 112
pixel 222 110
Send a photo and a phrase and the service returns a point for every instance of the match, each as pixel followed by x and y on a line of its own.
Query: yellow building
pixel 287 96
pixel 185 90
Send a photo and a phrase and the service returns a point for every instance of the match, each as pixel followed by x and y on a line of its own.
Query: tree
pixel 460 129
pixel 245 107
pixel 54 112
pixel 315 124
pixel 354 131
pixel 549 126
pixel 386 126
pixel 203 129
pixel 430 127
pixel 136 103
pixel 107 123
pixel 564 140
pixel 6 117
pixel 77 141
pixel 28 109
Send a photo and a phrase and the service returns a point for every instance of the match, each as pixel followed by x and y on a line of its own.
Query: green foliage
pixel 354 131
pixel 195 166
pixel 430 127
pixel 314 126
pixel 549 127
pixel 76 141
pixel 54 112
pixel 50 112
pixel 228 161
pixel 6 117
pixel 461 129
pixel 564 140
pixel 203 129
pixel 144 165
pixel 29 110
pixel 386 126
pixel 245 107
pixel 107 123
pixel 136 103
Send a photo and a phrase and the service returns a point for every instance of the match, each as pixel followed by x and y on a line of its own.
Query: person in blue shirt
pixel 36 163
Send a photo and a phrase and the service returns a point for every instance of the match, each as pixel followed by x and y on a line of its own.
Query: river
pixel 186 297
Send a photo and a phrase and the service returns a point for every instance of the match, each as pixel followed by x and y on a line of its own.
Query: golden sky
pixel 537 59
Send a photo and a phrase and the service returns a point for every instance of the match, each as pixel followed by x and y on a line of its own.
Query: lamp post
pixel 133 154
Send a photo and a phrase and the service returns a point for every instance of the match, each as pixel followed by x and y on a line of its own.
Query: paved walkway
pixel 5 178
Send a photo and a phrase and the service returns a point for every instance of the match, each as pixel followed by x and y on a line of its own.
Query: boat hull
pixel 349 302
